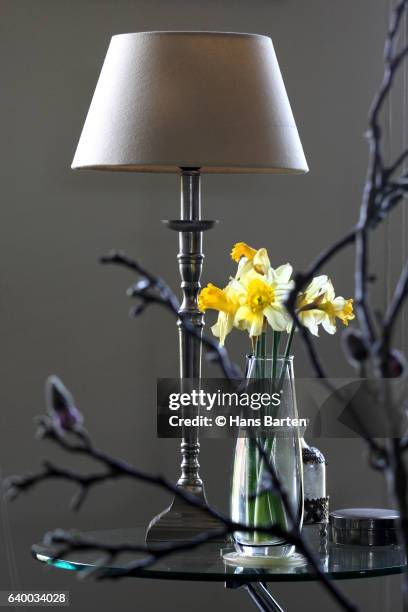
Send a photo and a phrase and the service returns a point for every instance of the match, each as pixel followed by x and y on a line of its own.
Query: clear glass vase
pixel 284 451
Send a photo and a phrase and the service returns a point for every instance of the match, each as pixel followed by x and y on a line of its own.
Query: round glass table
pixel 207 563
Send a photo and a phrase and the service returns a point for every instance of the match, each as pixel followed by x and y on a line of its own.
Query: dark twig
pixel 152 289
pixel 396 304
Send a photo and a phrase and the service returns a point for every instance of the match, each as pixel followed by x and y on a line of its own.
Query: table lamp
pixel 190 103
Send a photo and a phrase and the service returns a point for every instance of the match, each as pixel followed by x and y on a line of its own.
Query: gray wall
pixel 63 313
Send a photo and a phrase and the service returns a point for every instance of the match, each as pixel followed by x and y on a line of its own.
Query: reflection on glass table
pixel 206 563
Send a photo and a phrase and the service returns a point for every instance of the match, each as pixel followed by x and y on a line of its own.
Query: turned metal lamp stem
pixel 190 260
pixel 182 521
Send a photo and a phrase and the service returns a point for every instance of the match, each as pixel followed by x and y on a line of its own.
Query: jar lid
pixel 310 454
pixel 364 526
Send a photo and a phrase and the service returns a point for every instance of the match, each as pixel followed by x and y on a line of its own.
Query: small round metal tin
pixel 364 526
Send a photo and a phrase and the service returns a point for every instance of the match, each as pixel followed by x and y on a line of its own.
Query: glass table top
pixel 206 562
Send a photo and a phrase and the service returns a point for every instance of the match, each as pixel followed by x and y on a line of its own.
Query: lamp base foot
pixel 181 522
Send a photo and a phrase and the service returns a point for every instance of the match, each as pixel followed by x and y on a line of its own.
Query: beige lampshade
pixel 211 100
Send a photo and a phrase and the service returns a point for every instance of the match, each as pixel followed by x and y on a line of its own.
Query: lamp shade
pixel 210 100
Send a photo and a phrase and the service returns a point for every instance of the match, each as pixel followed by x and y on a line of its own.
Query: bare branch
pixel 152 289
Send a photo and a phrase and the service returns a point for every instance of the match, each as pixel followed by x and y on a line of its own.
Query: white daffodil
pixel 261 298
pixel 318 305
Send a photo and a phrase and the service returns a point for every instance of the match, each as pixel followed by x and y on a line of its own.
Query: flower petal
pixel 223 326
pixel 309 319
pixel 261 261
pixel 257 324
pixel 329 293
pixel 283 273
pixel 316 287
pixel 328 324
pixel 278 318
pixel 243 317
pixel 241 249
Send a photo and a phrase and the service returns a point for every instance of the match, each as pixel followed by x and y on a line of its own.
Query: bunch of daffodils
pixel 255 299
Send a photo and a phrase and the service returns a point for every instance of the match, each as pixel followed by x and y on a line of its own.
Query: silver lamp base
pixel 181 521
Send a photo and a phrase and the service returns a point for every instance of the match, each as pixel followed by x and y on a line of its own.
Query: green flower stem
pixel 269 508
pixel 290 340
pixel 261 375
pixel 287 353
pixel 260 353
pixel 252 451
pixel 251 480
pixel 275 350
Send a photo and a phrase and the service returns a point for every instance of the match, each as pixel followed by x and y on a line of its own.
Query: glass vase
pixel 249 505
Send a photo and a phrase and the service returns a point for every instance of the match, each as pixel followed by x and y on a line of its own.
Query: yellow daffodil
pixel 223 300
pixel 262 298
